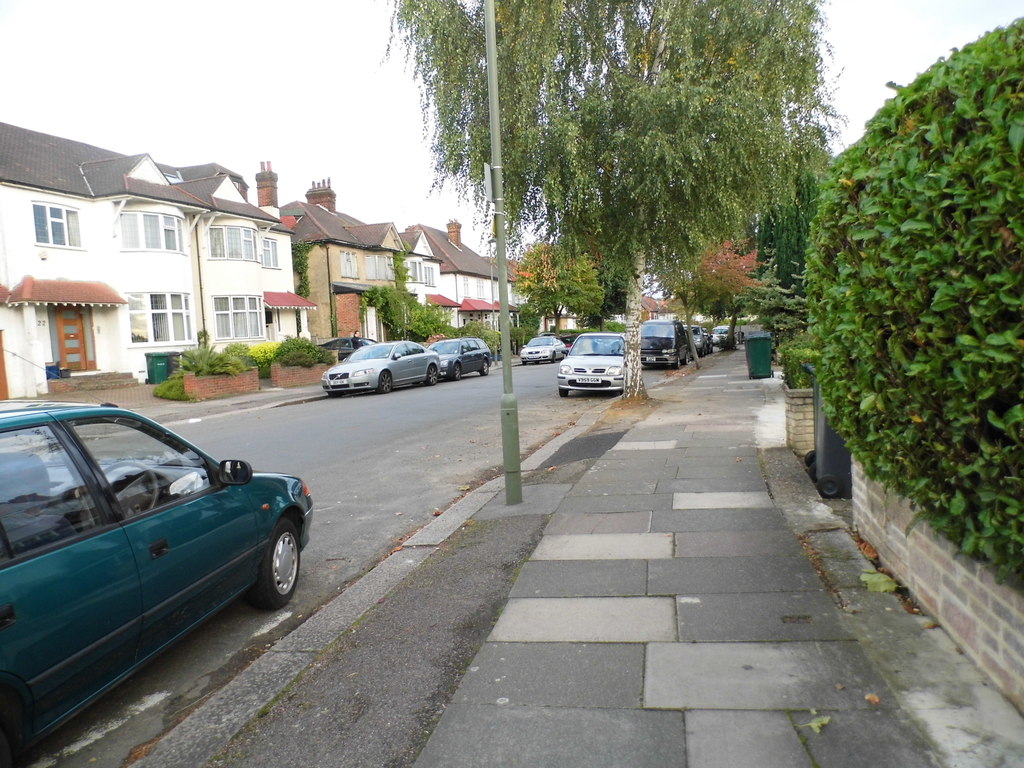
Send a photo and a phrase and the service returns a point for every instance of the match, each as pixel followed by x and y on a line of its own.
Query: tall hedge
pixel 916 282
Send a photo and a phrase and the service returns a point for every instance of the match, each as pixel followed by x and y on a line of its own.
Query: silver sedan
pixel 543 349
pixel 382 367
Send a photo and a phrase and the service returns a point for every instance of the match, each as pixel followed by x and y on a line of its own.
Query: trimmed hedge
pixel 916 288
pixel 792 356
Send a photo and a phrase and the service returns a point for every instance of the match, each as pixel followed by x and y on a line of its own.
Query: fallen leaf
pixel 878 582
pixel 867 550
pixel 818 723
pixel 872 699
pixel 437 512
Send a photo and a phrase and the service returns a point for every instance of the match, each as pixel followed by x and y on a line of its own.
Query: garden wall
pixel 222 385
pixel 984 618
pixel 295 375
pixel 800 420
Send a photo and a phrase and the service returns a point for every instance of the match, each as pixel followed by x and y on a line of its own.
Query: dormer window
pixel 151 231
pixel 56 225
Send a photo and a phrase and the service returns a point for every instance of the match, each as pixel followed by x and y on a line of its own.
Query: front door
pixel 72 338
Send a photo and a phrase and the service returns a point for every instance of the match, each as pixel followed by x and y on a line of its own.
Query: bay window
pixel 151 231
pixel 159 317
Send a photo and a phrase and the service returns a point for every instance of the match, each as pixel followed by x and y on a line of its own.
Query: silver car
pixel 382 367
pixel 543 349
pixel 596 362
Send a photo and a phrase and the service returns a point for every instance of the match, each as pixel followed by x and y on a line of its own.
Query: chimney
pixel 455 233
pixel 322 194
pixel 266 186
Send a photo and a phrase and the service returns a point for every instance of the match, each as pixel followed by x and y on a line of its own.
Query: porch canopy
pixel 286 300
pixel 72 292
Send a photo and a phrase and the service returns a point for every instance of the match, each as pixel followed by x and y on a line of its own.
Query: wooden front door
pixel 72 337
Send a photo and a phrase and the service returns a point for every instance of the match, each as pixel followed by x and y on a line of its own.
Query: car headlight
pixel 363 372
pixel 614 370
pixel 565 369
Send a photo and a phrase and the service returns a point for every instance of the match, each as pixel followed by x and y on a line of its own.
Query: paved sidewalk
pixel 670 617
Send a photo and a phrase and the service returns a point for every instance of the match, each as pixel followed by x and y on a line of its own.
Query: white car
pixel 596 363
pixel 543 349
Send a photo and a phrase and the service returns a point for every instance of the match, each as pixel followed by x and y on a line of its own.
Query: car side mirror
pixel 235 472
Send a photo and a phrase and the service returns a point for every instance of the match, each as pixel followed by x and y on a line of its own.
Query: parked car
pixel 702 340
pixel 346 345
pixel 382 367
pixel 462 355
pixel 596 362
pixel 719 334
pixel 543 349
pixel 663 342
pixel 117 537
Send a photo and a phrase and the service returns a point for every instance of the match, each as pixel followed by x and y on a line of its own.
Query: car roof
pixel 15 412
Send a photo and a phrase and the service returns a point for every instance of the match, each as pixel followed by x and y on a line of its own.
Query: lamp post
pixel 509 405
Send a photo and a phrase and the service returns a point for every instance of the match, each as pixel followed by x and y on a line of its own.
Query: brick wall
pixel 984 618
pixel 799 420
pixel 347 305
pixel 295 375
pixel 208 387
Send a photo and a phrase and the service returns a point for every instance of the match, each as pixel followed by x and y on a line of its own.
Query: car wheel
pixel 279 569
pixel 384 383
pixel 675 361
pixel 431 379
pixel 456 372
pixel 563 392
pixel 486 369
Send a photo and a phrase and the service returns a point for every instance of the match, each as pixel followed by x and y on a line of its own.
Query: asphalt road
pixel 379 468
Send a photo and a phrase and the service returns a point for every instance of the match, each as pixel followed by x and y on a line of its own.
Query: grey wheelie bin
pixel 829 463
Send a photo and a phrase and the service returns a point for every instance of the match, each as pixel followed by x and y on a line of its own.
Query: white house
pixel 106 257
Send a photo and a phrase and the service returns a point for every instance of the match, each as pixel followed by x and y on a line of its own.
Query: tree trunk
pixel 634 384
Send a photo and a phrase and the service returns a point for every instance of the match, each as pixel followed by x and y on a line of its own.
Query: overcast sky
pixel 305 85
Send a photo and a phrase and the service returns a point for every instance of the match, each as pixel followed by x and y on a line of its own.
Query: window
pixel 56 226
pixel 415 271
pixel 157 317
pixel 379 268
pixel 145 468
pixel 238 317
pixel 233 243
pixel 43 498
pixel 480 289
pixel 151 231
pixel 465 286
pixel 429 275
pixel 269 252
pixel 349 264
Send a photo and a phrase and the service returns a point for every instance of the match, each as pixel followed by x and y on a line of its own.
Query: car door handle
pixel 159 548
pixel 7 617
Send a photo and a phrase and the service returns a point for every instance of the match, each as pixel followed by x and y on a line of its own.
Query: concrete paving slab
pixel 737 543
pixel 726 482
pixel 702 466
pixel 471 736
pixel 556 675
pixel 760 617
pixel 581 578
pixel 718 452
pixel 648 445
pixel 718 520
pixel 721 500
pixel 608 487
pixel 586 620
pixel 630 471
pixel 542 499
pixel 616 503
pixel 605 546
pixel 709 575
pixel 868 740
pixel 717 442
pixel 731 739
pixel 607 522
pixel 764 676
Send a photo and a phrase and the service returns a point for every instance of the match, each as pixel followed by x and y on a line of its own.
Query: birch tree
pixel 637 131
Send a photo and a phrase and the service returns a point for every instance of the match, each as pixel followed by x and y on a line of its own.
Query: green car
pixel 117 537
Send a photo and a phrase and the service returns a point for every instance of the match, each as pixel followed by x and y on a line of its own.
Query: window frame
pixel 268 256
pixel 226 318
pixel 144 236
pixel 68 224
pixel 141 304
pixel 233 243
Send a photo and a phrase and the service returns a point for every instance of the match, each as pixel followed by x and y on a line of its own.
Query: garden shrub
pixel 240 350
pixel 206 361
pixel 302 352
pixel 172 388
pixel 793 354
pixel 916 286
pixel 263 355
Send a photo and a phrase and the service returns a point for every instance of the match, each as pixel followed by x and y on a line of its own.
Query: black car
pixel 346 345
pixel 663 342
pixel 462 355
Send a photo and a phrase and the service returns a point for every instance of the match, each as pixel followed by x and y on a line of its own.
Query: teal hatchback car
pixel 117 537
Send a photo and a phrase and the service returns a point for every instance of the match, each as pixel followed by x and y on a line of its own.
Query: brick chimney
pixel 322 194
pixel 266 186
pixel 455 233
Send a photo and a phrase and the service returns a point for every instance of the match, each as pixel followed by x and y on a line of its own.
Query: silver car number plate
pixel 650 359
pixel 588 379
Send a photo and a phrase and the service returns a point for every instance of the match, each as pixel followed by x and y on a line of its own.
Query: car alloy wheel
pixel 456 372
pixel 384 382
pixel 432 375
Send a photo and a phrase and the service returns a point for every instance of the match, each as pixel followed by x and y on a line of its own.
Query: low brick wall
pixel 799 420
pixel 208 387
pixel 295 375
pixel 984 618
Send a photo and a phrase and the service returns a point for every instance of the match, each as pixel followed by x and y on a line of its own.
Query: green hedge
pixel 793 354
pixel 916 285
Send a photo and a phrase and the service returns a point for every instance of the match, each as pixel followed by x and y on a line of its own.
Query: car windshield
pixel 656 331
pixel 598 345
pixel 541 341
pixel 372 352
pixel 451 347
